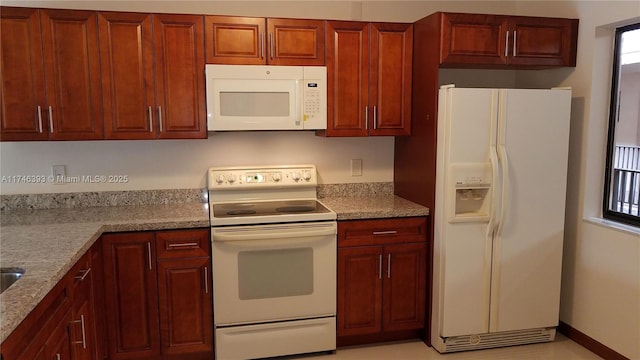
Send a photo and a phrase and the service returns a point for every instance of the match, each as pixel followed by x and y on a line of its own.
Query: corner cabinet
pixel 368 78
pixel 158 292
pixel 472 40
pixel 258 41
pixel 152 80
pixel 382 268
pixel 50 75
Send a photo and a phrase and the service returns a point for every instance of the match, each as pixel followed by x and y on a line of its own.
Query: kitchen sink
pixel 8 276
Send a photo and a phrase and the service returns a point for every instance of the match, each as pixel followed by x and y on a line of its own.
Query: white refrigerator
pixel 499 216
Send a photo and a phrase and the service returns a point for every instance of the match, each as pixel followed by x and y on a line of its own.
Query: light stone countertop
pixel 48 242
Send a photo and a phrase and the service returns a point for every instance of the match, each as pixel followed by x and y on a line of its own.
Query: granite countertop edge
pixel 21 298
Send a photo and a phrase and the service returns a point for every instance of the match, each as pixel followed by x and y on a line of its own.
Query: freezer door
pixel 533 138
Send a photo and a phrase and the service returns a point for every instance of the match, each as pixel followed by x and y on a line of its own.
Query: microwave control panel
pixel 314 97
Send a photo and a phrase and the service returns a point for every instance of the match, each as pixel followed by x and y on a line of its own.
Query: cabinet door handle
pixel 515 38
pixel 388 232
pixel 150 112
pixel 261 45
pixel 40 119
pixel 506 45
pixel 149 254
pixel 82 274
pixel 389 266
pixel 160 118
pixel 58 356
pixel 272 46
pixel 366 117
pixel 179 245
pixel 84 336
pixel 380 267
pixel 206 280
pixel 50 119
pixel 375 118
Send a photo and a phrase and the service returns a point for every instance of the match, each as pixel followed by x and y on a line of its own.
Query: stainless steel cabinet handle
pixel 366 117
pixel 50 119
pixel 506 46
pixel 206 280
pixel 160 118
pixel 261 45
pixel 380 267
pixel 84 336
pixel 150 112
pixel 149 254
pixel 83 275
pixel 178 245
pixel 388 232
pixel 58 356
pixel 272 47
pixel 40 119
pixel 375 118
pixel 515 38
pixel 388 266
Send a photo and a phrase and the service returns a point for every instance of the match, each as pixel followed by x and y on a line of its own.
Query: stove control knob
pixel 231 179
pixel 306 176
pixel 295 176
pixel 220 179
pixel 276 177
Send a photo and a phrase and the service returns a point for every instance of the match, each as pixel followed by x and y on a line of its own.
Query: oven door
pixel 264 273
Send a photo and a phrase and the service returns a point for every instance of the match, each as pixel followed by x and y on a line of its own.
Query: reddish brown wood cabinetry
pixel 50 75
pixel 244 40
pixel 369 78
pixel 152 75
pixel 381 276
pixel 158 290
pixel 476 40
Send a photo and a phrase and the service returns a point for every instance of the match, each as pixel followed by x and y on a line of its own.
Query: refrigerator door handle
pixel 504 187
pixel 495 169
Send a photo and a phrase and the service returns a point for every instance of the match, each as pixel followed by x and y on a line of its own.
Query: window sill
pixel 613 225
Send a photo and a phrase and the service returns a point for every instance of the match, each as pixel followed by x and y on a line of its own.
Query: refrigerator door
pixel 462 265
pixel 533 138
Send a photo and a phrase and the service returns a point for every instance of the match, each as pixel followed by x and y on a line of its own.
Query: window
pixel 622 176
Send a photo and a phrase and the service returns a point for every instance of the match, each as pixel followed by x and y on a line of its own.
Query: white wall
pixel 601 265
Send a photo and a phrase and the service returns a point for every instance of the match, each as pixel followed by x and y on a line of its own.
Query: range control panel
pixel 236 178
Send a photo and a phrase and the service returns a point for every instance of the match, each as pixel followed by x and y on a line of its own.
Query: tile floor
pixel 560 349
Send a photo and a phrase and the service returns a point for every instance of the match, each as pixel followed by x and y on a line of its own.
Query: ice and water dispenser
pixel 470 187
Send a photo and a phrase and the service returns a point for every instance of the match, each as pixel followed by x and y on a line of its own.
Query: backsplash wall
pixel 183 164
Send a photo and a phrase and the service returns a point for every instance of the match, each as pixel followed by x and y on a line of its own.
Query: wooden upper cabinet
pixel 369 78
pixel 22 95
pixel 257 41
pixel 472 40
pixel 72 68
pixel 179 67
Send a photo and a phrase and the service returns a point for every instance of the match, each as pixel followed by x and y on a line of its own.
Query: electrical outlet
pixel 59 173
pixel 356 167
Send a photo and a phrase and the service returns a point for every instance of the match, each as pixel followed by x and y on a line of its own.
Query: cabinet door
pixel 473 39
pixel 22 91
pixel 347 78
pixel 359 290
pixel 185 302
pixel 131 295
pixel 295 42
pixel 58 346
pixel 72 68
pixel 180 89
pixel 404 287
pixel 128 88
pixel 543 41
pixel 82 324
pixel 390 74
pixel 235 40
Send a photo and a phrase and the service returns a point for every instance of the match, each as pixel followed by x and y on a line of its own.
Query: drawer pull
pixel 388 232
pixel 380 267
pixel 82 274
pixel 179 245
pixel 206 280
pixel 84 337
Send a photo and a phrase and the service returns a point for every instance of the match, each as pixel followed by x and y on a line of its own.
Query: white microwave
pixel 263 97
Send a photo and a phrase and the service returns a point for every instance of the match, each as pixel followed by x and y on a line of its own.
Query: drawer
pixel 183 243
pixel 382 231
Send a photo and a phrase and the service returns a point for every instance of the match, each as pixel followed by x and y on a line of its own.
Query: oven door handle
pixel 272 232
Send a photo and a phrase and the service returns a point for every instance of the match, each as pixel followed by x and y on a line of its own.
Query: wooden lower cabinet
pixel 382 267
pixel 159 304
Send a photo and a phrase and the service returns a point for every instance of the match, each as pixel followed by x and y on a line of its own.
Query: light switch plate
pixel 59 173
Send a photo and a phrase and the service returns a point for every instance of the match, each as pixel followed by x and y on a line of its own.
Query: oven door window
pixel 264 274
